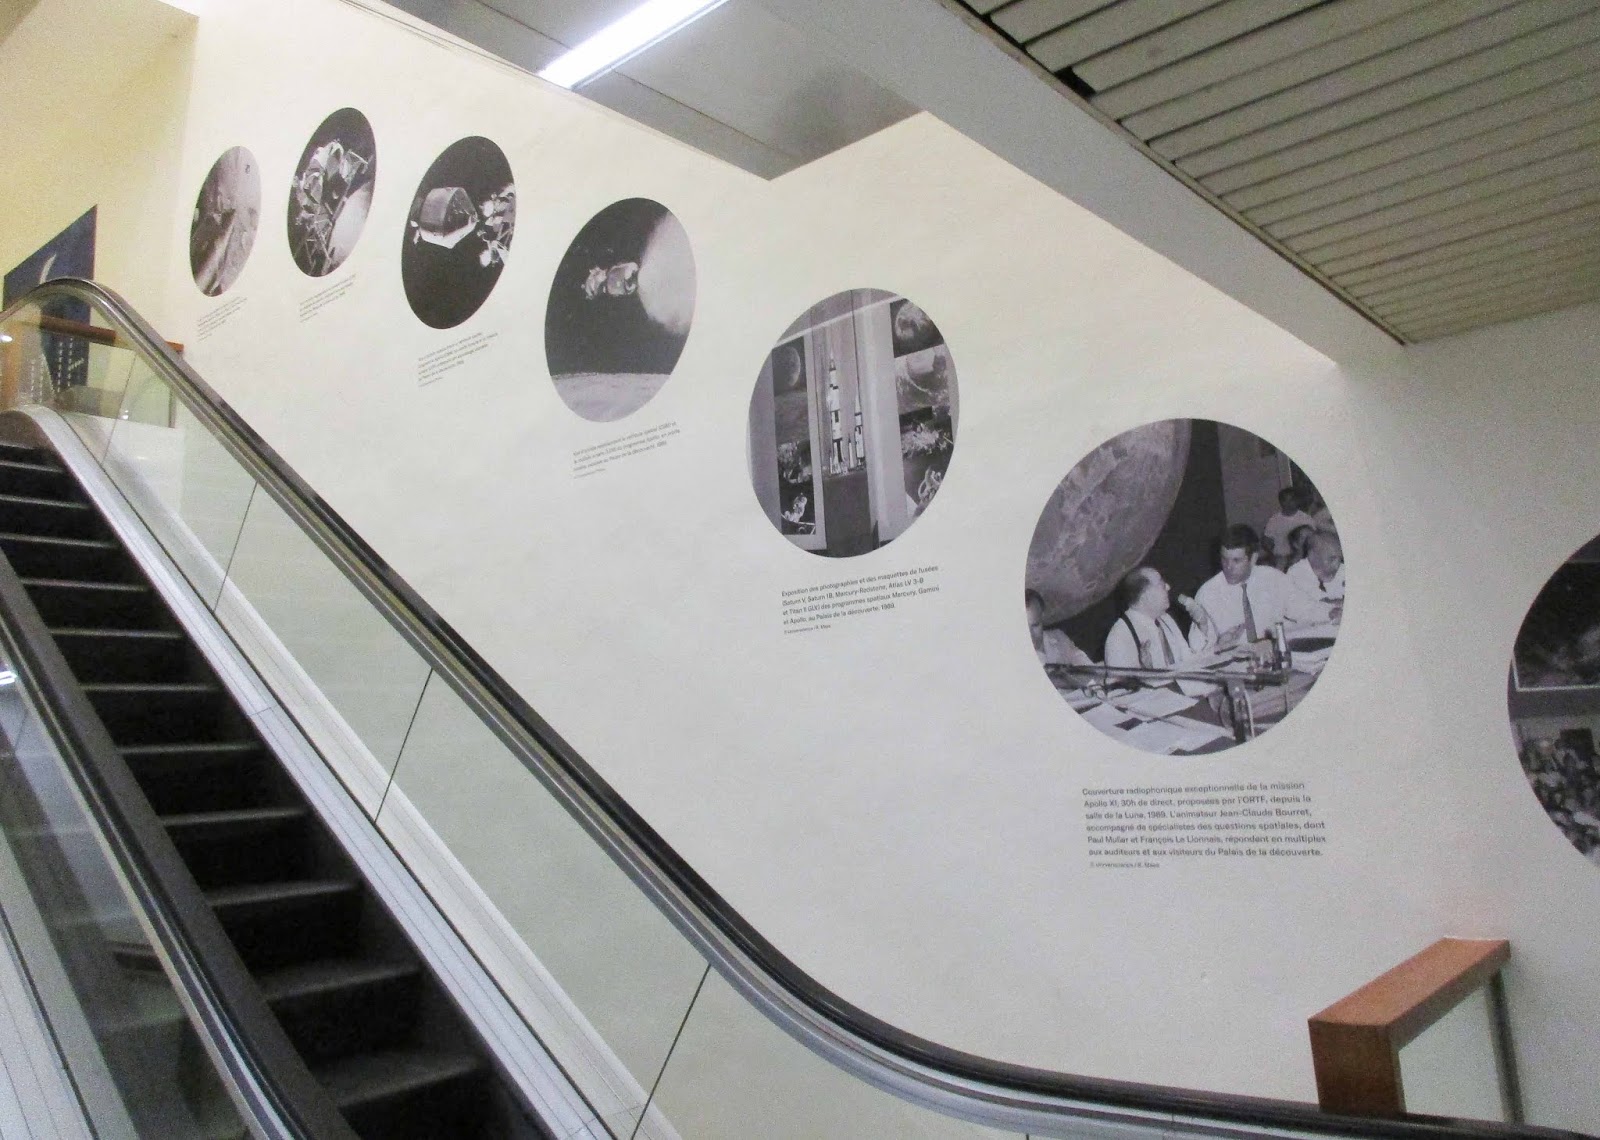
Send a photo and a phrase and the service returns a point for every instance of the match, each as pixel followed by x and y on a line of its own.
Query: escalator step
pixel 20 477
pixel 195 825
pixel 199 776
pixel 241 845
pixel 51 556
pixel 338 1007
pixel 161 712
pixel 407 1094
pixel 26 453
pixel 124 654
pixel 107 605
pixel 25 514
pixel 287 923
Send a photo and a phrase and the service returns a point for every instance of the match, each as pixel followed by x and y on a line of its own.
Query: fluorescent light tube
pixel 618 42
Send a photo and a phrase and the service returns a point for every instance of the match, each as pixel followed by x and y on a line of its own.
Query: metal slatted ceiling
pixel 1435 162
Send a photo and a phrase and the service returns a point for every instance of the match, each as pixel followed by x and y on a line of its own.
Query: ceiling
pixel 739 83
pixel 1436 163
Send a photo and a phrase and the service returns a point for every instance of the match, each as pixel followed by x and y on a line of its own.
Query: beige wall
pixel 94 94
pixel 926 859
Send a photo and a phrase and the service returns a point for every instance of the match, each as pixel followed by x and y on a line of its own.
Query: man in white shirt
pixel 1246 600
pixel 1145 636
pixel 1291 514
pixel 1319 576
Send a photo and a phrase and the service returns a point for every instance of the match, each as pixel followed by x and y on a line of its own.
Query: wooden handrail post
pixel 1356 1041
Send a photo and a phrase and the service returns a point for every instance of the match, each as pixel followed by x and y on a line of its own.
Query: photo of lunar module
pixel 448 216
pixel 332 196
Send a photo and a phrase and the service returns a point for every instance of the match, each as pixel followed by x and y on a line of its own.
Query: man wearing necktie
pixel 1246 600
pixel 1145 636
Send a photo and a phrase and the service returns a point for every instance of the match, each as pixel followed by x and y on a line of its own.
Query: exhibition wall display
pixel 1555 698
pixel 613 499
pixel 620 308
pixel 459 232
pixel 853 423
pixel 227 213
pixel 331 195
pixel 1169 608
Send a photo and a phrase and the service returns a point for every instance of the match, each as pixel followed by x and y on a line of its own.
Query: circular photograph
pixel 853 423
pixel 1184 587
pixel 1554 698
pixel 459 232
pixel 226 215
pixel 620 309
pixel 331 195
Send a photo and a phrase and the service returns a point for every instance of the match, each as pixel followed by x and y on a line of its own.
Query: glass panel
pixel 185 486
pixel 135 1059
pixel 354 682
pixel 83 379
pixel 1450 1069
pixel 734 1074
pixel 597 939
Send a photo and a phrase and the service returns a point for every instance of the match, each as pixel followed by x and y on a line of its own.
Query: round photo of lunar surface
pixel 1184 587
pixel 458 234
pixel 1554 698
pixel 226 215
pixel 853 423
pixel 331 194
pixel 620 309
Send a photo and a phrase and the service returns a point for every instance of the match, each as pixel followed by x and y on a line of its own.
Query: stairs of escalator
pixel 372 1025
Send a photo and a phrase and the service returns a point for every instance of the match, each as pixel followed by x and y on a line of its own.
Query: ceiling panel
pixel 739 83
pixel 1434 162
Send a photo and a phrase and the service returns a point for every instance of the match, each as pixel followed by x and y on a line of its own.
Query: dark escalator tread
pixel 232 847
pixel 267 897
pixel 200 775
pixel 162 712
pixel 285 923
pixel 336 1008
pixel 24 477
pixel 25 453
pixel 108 605
pixel 410 1093
pixel 53 556
pixel 28 514
pixel 124 654
pixel 232 822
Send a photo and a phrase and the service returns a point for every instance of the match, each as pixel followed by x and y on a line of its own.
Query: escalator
pixel 210 683
pixel 370 1024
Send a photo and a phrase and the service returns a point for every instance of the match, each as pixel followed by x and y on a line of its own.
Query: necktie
pixel 1249 614
pixel 1166 646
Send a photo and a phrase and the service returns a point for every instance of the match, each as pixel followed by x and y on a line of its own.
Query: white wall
pixel 927 860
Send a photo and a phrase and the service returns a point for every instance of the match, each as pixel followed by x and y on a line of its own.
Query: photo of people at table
pixel 1184 586
pixel 1553 698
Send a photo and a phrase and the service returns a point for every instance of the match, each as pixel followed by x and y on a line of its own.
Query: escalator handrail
pixel 979 1088
pixel 270 1081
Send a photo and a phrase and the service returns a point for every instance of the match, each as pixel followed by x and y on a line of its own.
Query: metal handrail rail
pixel 265 1075
pixel 990 1092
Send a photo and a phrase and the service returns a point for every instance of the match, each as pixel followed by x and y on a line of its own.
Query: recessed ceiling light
pixel 618 42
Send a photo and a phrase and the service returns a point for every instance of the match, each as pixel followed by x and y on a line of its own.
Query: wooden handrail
pixel 1356 1041
pixel 64 327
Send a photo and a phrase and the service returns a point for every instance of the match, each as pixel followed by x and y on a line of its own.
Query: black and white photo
pixel 1553 698
pixel 458 233
pixel 620 309
pixel 227 214
pixel 1184 587
pixel 331 194
pixel 1559 759
pixel 853 423
pixel 1558 646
